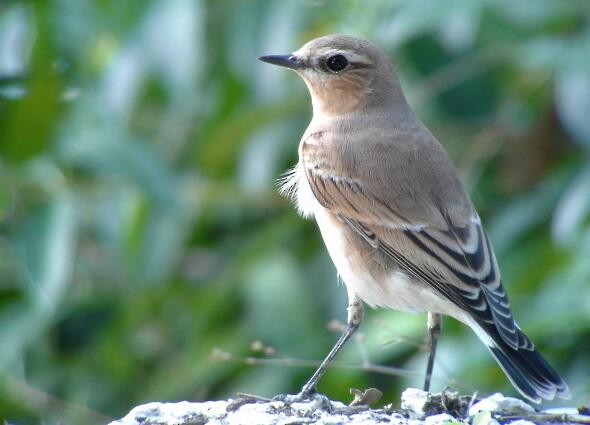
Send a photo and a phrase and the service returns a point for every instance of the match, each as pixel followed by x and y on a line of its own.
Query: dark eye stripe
pixel 360 65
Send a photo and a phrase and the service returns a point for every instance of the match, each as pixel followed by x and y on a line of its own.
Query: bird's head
pixel 343 74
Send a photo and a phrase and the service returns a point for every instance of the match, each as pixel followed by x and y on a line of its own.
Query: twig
pixel 253 397
pixel 291 362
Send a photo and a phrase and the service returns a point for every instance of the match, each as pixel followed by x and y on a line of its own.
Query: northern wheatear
pixel 393 213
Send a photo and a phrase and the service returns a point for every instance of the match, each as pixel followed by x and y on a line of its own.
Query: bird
pixel 393 213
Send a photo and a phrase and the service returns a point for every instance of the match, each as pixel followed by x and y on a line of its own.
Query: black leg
pixel 355 316
pixel 434 328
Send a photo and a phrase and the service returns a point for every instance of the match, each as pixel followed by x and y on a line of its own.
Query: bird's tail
pixel 528 371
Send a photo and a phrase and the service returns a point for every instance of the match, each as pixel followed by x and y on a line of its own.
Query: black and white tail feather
pixel 467 253
pixel 483 298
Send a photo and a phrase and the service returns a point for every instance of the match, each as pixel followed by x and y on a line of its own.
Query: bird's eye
pixel 336 63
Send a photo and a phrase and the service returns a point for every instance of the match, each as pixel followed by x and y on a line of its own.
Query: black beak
pixel 288 61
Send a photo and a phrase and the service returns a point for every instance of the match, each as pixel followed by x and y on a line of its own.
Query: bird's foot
pixel 319 401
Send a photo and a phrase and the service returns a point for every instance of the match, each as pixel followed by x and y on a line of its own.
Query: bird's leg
pixel 434 328
pixel 355 317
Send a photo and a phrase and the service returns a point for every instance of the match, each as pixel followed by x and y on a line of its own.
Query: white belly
pixel 397 291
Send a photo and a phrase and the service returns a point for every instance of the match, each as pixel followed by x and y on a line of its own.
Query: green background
pixel 144 247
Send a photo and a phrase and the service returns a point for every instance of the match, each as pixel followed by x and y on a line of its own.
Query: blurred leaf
pixel 572 99
pixel 564 54
pixel 224 141
pixel 424 16
pixel 45 244
pixel 16 37
pixel 520 216
pixel 131 160
pixel 29 123
pixel 544 12
pixel 573 209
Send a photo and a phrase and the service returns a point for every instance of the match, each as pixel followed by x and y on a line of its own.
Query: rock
pixel 249 411
pixel 171 413
pixel 414 401
pixel 484 418
pixel 501 405
pixel 440 419
pixel 418 404
pixel 417 408
pixel 522 422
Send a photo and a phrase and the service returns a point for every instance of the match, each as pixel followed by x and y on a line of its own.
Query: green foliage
pixel 140 228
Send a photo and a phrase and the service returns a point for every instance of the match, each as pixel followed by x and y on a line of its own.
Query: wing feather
pixel 457 261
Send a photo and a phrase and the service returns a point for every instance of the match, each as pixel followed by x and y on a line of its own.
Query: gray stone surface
pixel 417 408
